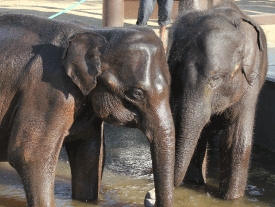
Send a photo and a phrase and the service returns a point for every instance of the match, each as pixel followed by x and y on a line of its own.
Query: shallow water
pixel 127 177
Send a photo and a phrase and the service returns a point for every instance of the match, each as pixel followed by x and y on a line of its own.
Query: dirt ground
pixel 90 11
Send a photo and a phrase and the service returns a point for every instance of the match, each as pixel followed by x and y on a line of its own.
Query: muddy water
pixel 127 177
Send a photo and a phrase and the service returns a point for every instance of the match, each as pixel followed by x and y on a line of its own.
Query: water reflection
pixel 127 177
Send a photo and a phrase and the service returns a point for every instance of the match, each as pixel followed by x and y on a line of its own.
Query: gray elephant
pixel 218 64
pixel 60 81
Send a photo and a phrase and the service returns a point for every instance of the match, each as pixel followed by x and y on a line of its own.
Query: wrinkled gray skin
pixel 218 64
pixel 60 81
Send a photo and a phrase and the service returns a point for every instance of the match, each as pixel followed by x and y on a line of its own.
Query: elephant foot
pixel 231 195
pixel 150 198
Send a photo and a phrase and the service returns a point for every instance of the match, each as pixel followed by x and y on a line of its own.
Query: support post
pixel 185 5
pixel 113 13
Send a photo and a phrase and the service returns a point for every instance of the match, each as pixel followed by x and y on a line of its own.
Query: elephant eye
pixel 215 81
pixel 135 94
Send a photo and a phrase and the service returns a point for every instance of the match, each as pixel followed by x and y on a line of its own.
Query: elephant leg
pixel 235 150
pixel 198 166
pixel 196 171
pixel 33 151
pixel 86 162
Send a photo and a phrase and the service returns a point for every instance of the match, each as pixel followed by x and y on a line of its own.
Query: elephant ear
pixel 253 39
pixel 258 30
pixel 81 60
pixel 253 44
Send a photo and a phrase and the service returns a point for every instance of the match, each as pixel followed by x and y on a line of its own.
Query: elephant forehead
pixel 219 41
pixel 141 65
pixel 221 49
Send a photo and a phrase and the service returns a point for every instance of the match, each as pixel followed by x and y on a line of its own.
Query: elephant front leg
pixel 34 152
pixel 196 171
pixel 38 180
pixel 86 161
pixel 198 166
pixel 235 150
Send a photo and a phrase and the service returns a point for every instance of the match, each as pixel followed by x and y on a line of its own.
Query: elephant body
pixel 60 81
pixel 218 64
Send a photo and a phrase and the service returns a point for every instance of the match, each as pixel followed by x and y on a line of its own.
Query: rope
pixel 67 9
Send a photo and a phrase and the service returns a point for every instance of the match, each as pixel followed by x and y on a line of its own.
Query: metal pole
pixel 113 13
pixel 185 5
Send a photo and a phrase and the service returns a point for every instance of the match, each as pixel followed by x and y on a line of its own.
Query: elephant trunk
pixel 159 129
pixel 190 123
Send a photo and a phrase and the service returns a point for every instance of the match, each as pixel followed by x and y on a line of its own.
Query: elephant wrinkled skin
pixel 60 81
pixel 218 64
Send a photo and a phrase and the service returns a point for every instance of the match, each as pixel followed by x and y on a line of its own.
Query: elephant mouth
pixel 129 119
pixel 133 115
pixel 132 124
pixel 125 115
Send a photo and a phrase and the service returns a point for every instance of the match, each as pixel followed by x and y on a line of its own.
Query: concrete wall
pixel 264 132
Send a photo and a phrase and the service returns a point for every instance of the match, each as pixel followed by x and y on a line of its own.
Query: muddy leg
pixel 198 166
pixel 235 150
pixel 86 162
pixel 33 152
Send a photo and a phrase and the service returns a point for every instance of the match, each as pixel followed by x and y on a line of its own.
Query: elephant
pixel 60 81
pixel 218 63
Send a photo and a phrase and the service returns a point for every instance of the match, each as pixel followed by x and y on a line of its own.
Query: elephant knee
pixel 20 157
pixel 16 158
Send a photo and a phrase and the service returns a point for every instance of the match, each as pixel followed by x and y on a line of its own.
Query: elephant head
pixel 124 74
pixel 217 61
